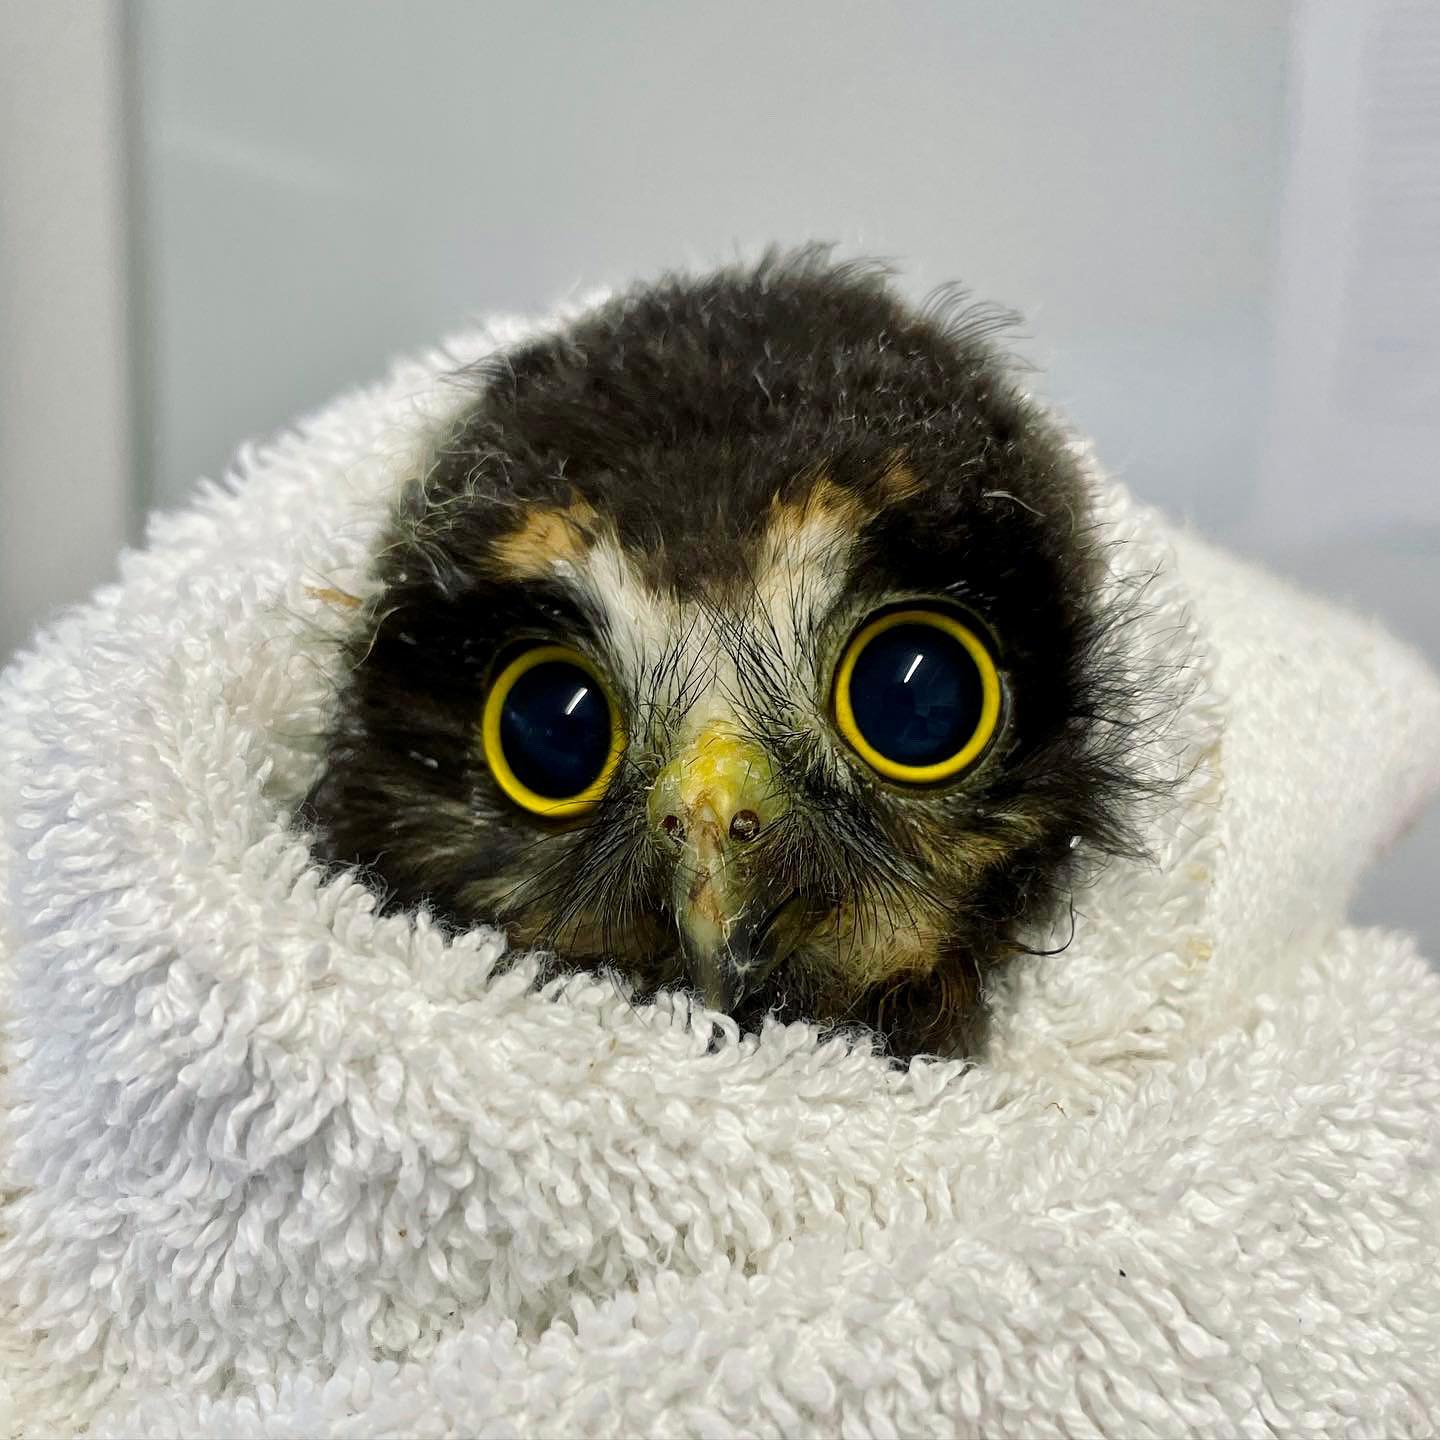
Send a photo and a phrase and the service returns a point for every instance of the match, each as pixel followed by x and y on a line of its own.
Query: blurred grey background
pixel 1220 221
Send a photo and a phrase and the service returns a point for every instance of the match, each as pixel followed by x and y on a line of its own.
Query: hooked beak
pixel 707 806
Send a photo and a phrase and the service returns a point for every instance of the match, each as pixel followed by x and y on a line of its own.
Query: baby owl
pixel 742 635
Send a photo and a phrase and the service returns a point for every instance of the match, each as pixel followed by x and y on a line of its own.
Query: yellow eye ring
pixel 990 697
pixel 492 735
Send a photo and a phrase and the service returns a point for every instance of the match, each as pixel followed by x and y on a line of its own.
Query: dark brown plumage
pixel 705 488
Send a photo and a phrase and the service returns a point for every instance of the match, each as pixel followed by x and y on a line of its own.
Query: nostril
pixel 672 827
pixel 745 825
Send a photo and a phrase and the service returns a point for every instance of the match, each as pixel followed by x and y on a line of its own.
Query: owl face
pixel 742 636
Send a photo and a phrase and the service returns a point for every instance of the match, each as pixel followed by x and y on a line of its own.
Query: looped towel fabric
pixel 277 1165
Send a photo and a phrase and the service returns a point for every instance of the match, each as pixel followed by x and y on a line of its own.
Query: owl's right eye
pixel 551 731
pixel 917 695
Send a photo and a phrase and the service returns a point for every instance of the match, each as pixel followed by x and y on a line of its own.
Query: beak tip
pixel 716 985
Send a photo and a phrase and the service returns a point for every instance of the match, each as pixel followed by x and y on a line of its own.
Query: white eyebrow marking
pixel 665 649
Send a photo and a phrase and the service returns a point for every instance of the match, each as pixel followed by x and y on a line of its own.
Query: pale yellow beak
pixel 709 804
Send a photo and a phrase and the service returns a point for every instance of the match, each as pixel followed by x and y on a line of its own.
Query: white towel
pixel 276 1166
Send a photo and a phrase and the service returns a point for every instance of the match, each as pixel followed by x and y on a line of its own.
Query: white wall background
pixel 327 183
pixel 65 401
pixel 1168 193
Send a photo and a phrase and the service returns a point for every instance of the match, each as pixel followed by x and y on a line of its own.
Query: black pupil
pixel 555 729
pixel 916 694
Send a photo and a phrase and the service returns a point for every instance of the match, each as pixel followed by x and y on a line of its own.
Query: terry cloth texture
pixel 276 1166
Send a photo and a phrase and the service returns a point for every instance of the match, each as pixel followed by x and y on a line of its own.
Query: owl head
pixel 743 634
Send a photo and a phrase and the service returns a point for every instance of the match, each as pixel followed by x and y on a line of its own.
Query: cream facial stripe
pixel 802 561
pixel 804 564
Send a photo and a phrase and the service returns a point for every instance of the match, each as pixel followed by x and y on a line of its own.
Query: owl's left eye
pixel 551 731
pixel 917 695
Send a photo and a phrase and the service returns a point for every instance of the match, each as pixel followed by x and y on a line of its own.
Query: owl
pixel 744 635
